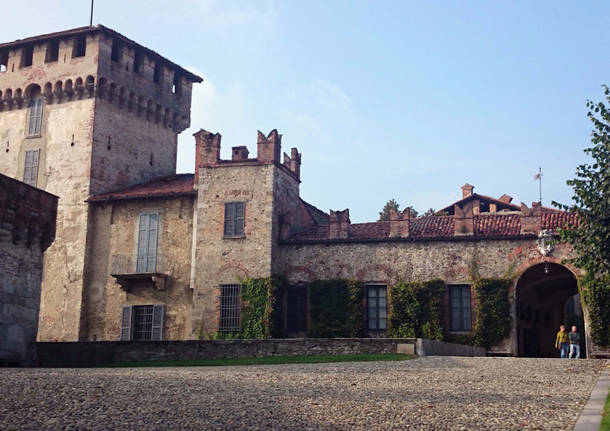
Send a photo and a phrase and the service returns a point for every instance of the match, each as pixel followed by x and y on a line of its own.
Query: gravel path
pixel 435 393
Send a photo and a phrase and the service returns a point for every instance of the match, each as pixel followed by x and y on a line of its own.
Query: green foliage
pixel 416 310
pixel 596 294
pixel 336 309
pixel 384 215
pixel 261 309
pixel 428 212
pixel 493 320
pixel 591 237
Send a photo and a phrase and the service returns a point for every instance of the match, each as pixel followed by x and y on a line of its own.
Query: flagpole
pixel 539 181
pixel 91 16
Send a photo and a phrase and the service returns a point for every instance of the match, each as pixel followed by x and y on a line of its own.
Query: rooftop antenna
pixel 538 177
pixel 91 16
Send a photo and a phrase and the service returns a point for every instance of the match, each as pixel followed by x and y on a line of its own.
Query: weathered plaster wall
pixel 114 231
pixel 226 261
pixel 27 227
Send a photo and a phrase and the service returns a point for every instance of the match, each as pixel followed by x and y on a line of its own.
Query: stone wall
pixel 86 354
pixel 114 232
pixel 27 228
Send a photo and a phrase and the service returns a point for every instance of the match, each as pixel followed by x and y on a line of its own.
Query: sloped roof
pixel 500 205
pixel 173 185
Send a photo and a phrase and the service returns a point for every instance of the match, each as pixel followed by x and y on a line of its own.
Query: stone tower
pixel 83 112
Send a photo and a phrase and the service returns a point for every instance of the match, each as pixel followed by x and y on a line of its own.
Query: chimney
pixel 207 148
pixel 339 224
pixel 531 219
pixel 268 149
pixel 505 199
pixel 399 223
pixel 239 153
pixel 467 190
pixel 463 220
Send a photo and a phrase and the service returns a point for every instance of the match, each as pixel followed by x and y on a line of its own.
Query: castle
pixel 144 253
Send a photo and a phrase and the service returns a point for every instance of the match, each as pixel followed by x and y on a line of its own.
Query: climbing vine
pixel 596 295
pixel 493 320
pixel 417 309
pixel 336 309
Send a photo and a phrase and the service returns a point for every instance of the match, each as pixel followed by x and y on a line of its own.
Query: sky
pixel 384 99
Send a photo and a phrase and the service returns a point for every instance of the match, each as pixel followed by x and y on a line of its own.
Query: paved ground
pixel 435 393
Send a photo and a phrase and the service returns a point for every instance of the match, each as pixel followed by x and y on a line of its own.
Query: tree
pixel 428 212
pixel 384 215
pixel 591 201
pixel 590 238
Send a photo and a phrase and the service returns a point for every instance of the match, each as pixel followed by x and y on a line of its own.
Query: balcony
pixel 137 269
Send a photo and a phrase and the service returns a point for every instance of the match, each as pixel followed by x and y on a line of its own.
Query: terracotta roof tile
pixel 431 227
pixel 174 185
pixel 555 220
pixel 497 225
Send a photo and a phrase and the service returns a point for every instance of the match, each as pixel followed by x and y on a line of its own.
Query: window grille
pixel 460 309
pixel 234 219
pixel 142 322
pixel 35 120
pixel 230 308
pixel 30 169
pixel 377 307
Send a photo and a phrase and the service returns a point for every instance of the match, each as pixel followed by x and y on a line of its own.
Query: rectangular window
pixel 459 307
pixel 80 47
pixel 148 231
pixel 142 322
pixel 115 54
pixel 137 62
pixel 3 61
pixel 234 219
pixel 35 117
pixel 27 56
pixel 230 308
pixel 157 73
pixel 52 53
pixel 376 306
pixel 30 169
pixel 296 313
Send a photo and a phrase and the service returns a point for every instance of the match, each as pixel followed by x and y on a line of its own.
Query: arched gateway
pixel 545 296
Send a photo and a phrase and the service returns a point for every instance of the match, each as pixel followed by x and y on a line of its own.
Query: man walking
pixel 561 341
pixel 574 337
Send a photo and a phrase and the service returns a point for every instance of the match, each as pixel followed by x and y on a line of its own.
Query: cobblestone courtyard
pixel 435 393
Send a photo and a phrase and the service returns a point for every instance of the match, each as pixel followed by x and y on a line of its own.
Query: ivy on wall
pixel 493 320
pixel 336 309
pixel 596 295
pixel 417 309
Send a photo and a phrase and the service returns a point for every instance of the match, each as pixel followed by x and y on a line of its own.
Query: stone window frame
pixel 152 327
pixel 31 165
pixel 234 225
pixel 377 288
pixel 229 319
pixel 464 319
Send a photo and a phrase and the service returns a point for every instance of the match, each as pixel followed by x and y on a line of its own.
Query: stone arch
pixel 48 91
pixel 539 297
pixel 18 97
pixel 68 89
pixel 90 85
pixel 102 87
pixel 78 87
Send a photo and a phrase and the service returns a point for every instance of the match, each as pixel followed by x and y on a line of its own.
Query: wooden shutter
pixel 229 217
pixel 148 231
pixel 126 323
pixel 157 323
pixel 239 218
pixel 35 116
pixel 30 168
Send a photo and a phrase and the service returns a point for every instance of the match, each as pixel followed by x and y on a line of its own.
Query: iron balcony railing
pixel 137 264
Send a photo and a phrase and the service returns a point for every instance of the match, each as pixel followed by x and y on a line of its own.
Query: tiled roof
pixel 173 185
pixel 319 216
pixel 440 227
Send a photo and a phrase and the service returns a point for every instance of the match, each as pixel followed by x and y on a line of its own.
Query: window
pixel 142 322
pixel 230 308
pixel 157 73
pixel 146 260
pixel 137 62
pixel 376 306
pixel 3 61
pixel 80 47
pixel 52 53
pixel 35 117
pixel 176 87
pixel 296 313
pixel 30 170
pixel 27 56
pixel 115 54
pixel 459 304
pixel 234 219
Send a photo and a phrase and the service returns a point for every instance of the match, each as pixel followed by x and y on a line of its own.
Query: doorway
pixel 546 297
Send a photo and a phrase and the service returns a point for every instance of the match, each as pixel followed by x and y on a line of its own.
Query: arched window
pixel 35 114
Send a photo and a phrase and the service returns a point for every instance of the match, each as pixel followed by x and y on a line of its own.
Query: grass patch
pixel 303 359
pixel 605 425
